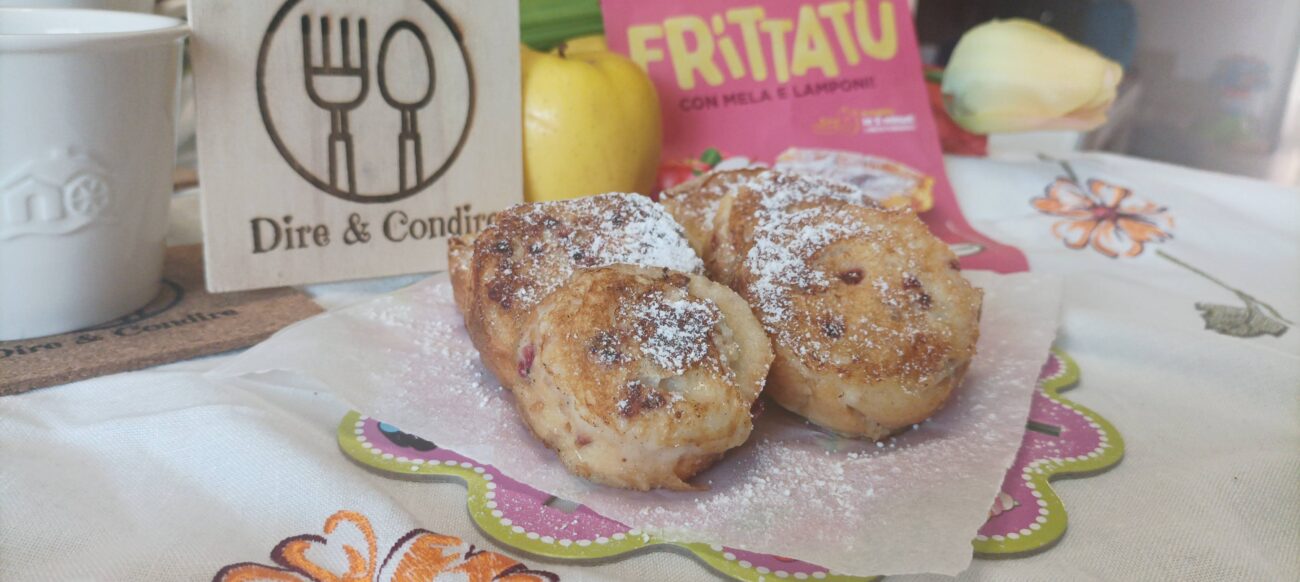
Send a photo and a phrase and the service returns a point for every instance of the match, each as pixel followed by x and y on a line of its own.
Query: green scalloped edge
pixel 478 484
pixel 1041 477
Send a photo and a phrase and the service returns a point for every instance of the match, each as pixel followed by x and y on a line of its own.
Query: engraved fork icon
pixel 340 137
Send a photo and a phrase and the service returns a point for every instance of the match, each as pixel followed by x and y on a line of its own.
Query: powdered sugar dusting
pixel 636 231
pixel 794 218
pixel 784 243
pixel 781 191
pixel 675 332
pixel 697 201
pixel 591 232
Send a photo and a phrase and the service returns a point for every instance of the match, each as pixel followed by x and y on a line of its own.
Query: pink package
pixel 752 79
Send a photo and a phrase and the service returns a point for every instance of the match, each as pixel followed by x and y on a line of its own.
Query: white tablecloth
pixel 165 474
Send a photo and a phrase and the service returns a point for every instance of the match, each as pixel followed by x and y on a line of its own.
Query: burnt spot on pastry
pixel 833 327
pixel 500 292
pixel 636 397
pixel 919 296
pixel 583 259
pixel 852 276
pixel 676 279
pixel 536 248
pixel 502 247
pixel 954 265
pixel 606 348
pixel 923 299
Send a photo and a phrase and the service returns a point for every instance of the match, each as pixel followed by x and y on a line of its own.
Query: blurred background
pixel 1210 84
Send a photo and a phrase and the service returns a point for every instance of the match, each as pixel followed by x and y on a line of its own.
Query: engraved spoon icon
pixel 408 140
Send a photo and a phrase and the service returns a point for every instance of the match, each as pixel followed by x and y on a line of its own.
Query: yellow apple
pixel 591 124
pixel 582 44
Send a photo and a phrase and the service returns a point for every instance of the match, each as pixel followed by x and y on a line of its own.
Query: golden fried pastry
pixel 641 377
pixel 460 256
pixel 695 203
pixel 530 250
pixel 872 324
pixel 704 208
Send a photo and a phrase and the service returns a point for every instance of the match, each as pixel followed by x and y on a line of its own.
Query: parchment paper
pixel 909 505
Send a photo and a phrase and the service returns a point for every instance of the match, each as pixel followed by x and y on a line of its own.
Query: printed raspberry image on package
pixel 833 88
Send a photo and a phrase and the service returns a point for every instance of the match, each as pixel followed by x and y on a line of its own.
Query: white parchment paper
pixel 909 505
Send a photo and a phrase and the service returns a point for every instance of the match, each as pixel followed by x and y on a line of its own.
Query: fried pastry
pixel 694 204
pixel 460 261
pixel 530 250
pixel 640 377
pixel 704 207
pixel 872 324
pixel 637 370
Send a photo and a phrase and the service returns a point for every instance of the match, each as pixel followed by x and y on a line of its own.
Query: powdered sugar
pixel 675 332
pixel 784 243
pixel 781 191
pixel 593 232
pixel 626 228
pixel 794 219
pixel 789 229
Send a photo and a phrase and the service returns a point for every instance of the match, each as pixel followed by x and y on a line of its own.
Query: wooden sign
pixel 342 139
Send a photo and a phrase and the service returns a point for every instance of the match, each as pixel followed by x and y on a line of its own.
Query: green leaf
pixel 1249 321
pixel 546 23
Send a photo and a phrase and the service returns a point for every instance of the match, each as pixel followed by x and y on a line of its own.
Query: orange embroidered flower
pixel 1105 216
pixel 418 556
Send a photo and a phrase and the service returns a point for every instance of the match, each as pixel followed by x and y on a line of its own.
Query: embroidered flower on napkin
pixel 418 555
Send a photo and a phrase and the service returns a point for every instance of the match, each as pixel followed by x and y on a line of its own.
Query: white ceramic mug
pixel 122 5
pixel 87 122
